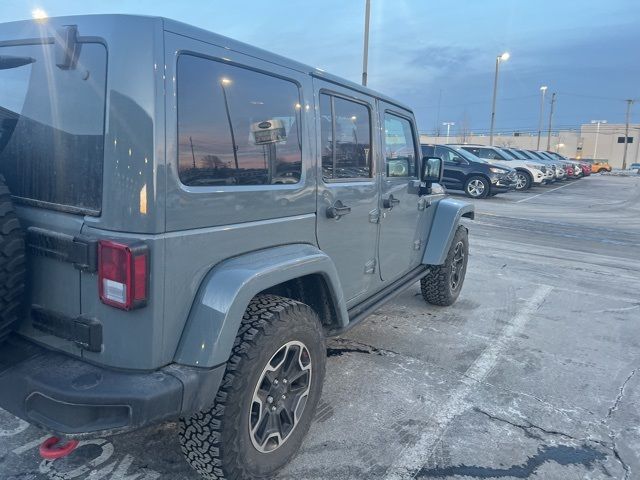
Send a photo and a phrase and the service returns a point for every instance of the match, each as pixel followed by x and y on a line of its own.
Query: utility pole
pixel 626 134
pixel 543 90
pixel 553 102
pixel 193 155
pixel 365 57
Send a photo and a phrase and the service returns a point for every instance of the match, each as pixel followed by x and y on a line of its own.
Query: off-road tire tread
pixel 201 435
pixel 435 285
pixel 12 264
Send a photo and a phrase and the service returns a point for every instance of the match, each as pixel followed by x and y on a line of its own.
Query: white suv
pixel 528 172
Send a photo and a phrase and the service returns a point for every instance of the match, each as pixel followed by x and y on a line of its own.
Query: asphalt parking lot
pixel 531 374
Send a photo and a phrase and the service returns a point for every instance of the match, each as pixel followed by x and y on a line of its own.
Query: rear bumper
pixel 68 396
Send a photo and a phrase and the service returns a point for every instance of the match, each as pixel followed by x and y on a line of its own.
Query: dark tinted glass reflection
pixel 345 138
pixel 52 125
pixel 236 126
pixel 400 152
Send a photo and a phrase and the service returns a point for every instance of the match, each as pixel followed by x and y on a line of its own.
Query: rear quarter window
pixel 236 126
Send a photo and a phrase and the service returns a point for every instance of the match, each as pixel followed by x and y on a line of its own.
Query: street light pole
pixel 504 57
pixel 626 134
pixel 543 90
pixel 365 56
pixel 595 148
pixel 448 125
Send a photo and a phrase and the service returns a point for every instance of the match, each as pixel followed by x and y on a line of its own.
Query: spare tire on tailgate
pixel 12 264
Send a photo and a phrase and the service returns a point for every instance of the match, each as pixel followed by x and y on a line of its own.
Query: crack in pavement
pixel 529 425
pixel 616 403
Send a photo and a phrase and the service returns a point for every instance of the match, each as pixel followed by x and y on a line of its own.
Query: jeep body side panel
pixel 447 217
pixel 207 225
pixel 227 290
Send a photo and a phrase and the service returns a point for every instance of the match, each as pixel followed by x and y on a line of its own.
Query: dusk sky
pixel 429 52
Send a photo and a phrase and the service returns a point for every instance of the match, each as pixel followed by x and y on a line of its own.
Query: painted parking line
pixel 412 458
pixel 553 189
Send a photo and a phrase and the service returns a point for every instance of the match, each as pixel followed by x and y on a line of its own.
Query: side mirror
pixel 457 160
pixel 432 169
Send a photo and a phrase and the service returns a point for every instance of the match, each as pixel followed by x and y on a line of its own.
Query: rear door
pixel 347 219
pixel 401 234
pixel 51 155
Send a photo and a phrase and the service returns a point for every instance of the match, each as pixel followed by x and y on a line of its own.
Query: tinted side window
pixel 444 154
pixel 399 146
pixel 345 138
pixel 236 126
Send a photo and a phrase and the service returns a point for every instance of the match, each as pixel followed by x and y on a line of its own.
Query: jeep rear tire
pixel 267 398
pixel 12 264
pixel 442 285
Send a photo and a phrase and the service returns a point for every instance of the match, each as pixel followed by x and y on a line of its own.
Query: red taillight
pixel 123 274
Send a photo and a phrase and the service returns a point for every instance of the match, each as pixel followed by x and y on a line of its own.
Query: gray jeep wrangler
pixel 184 219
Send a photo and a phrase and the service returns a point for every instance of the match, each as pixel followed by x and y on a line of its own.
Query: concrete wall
pixel 567 142
pixel 608 146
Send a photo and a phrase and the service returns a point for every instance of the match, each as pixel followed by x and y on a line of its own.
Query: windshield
pixel 507 154
pixel 535 155
pixel 52 126
pixel 468 155
pixel 516 154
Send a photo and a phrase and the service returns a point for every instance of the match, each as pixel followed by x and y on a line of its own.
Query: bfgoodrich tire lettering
pixel 443 283
pixel 12 264
pixel 218 442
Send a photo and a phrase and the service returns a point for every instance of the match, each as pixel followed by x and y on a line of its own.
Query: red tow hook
pixel 51 448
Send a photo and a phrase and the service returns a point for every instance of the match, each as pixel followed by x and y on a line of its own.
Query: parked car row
pixel 483 171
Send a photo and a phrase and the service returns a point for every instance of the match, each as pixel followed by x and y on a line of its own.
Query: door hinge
pixel 370 266
pixel 374 216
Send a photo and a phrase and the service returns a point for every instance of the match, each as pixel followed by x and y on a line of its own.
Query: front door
pixel 347 216
pixel 402 237
pixel 454 168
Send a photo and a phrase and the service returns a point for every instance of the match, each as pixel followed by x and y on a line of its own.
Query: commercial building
pixel 605 141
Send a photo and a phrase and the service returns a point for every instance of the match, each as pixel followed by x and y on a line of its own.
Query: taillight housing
pixel 123 274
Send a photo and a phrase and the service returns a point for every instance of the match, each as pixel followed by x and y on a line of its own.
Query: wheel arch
pixel 225 293
pixel 446 219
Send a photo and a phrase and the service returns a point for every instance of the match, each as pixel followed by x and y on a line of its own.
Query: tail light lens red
pixel 123 274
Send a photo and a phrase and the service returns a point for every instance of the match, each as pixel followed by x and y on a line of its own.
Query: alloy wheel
pixel 280 396
pixel 457 265
pixel 521 181
pixel 475 188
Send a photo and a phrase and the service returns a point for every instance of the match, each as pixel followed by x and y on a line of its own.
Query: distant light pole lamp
pixel 500 58
pixel 595 147
pixel 543 90
pixel 448 125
